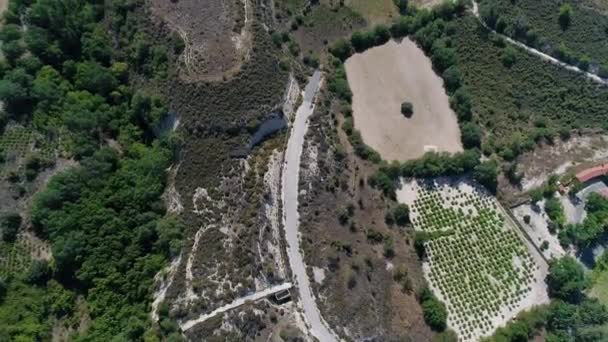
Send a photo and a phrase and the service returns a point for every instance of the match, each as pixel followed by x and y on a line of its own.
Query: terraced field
pixel 477 262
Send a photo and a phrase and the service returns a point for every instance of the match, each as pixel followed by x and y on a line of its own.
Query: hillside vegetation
pixel 573 31
pixel 68 77
pixel 517 98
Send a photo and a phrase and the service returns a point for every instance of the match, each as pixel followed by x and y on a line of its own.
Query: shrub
pixel 461 103
pixel 9 226
pixel 402 5
pixel 509 56
pixel 584 63
pixel 434 311
pixel 486 174
pixel 452 78
pixel 470 135
pixel 566 279
pixel 565 14
pixel 39 272
pixel 342 49
pixel 554 210
pixel 544 245
pixel 420 238
pixel 401 214
pixel 380 180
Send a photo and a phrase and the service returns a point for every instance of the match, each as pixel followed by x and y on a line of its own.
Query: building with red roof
pixel 594 172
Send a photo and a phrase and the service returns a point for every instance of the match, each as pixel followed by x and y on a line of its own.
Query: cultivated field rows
pixel 478 263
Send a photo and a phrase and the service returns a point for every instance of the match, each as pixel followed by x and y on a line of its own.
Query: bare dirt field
pixel 216 34
pixel 381 79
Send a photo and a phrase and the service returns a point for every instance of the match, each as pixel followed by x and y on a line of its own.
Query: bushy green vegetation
pixel 573 31
pixel 593 226
pixel 407 109
pixel 68 77
pixel 571 316
pixel 434 311
pixel 555 210
pixel 432 165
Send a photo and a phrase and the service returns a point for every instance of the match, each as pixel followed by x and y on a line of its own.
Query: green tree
pixel 12 50
pixel 435 313
pixel 452 78
pixel 566 279
pixel 584 62
pixel 470 135
pixel 341 49
pixel 592 312
pixel 381 34
pixel 554 210
pixel 486 174
pixel 2 289
pixel 401 214
pixel 461 103
pixel 39 272
pixel 442 56
pixel 10 32
pixel 565 15
pixel 9 226
pixel 509 56
pixel 95 78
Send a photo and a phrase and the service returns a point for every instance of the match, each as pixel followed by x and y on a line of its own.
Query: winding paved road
pixel 540 54
pixel 290 180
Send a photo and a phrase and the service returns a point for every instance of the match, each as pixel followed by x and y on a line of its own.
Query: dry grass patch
pixel 374 12
pixel 384 77
pixel 216 35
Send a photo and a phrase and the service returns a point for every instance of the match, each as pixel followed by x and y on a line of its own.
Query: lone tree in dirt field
pixel 407 109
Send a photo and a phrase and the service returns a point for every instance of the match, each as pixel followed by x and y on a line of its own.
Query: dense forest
pixel 69 73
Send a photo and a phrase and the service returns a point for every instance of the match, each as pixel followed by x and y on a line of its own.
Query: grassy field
pixel 585 35
pixel 374 12
pixel 529 99
pixel 600 287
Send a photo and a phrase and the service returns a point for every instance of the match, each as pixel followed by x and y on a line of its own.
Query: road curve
pixel 289 196
pixel 538 53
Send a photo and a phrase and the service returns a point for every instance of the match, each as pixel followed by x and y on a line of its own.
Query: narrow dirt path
pixel 235 304
pixel 290 180
pixel 538 53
